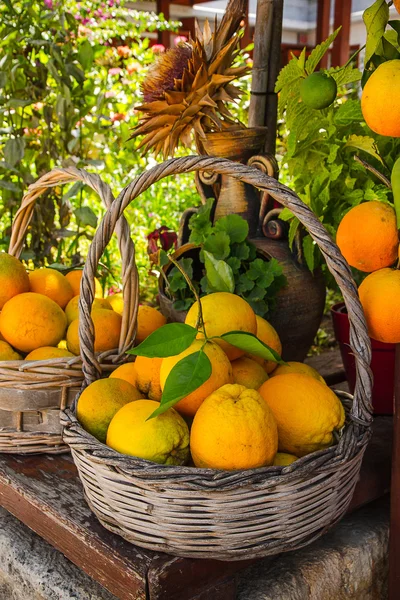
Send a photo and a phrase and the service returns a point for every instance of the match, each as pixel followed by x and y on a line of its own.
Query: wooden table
pixel 45 493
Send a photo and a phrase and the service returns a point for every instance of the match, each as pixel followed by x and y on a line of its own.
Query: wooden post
pixel 164 37
pixel 323 26
pixel 275 55
pixel 261 63
pixel 394 542
pixel 341 46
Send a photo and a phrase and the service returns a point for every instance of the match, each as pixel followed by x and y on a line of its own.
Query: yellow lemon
pixel 7 353
pixel 13 278
pixel 48 352
pixel 249 373
pixel 283 459
pixel 72 308
pixel 267 334
pixel 163 439
pixel 149 319
pixel 297 367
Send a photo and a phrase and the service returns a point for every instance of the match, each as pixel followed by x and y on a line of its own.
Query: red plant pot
pixel 382 363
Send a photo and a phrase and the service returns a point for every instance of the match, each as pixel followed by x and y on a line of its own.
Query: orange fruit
pixel 48 352
pixel 74 278
pixel 148 376
pixel 397 5
pixel 13 278
pixel 297 367
pixel 7 353
pixel 53 284
pixel 380 99
pixel 379 296
pixel 220 375
pixel 267 334
pixel 72 308
pixel 307 412
pixel 223 312
pixel 126 372
pixel 107 327
pixel 282 459
pixel 29 321
pixel 233 429
pixel 163 439
pixel 149 319
pixel 117 302
pixel 100 401
pixel 367 236
pixel 249 373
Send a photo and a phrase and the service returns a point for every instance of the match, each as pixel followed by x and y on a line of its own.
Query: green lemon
pixel 318 90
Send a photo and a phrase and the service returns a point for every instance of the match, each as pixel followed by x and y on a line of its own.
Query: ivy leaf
pixel 14 150
pixel 364 143
pixel 319 52
pixel 252 345
pixel 219 274
pixel 241 251
pixel 244 284
pixel 85 216
pixel 183 305
pixel 185 377
pixel 218 244
pixel 349 112
pixel 168 340
pixel 375 17
pixel 308 250
pixel 234 226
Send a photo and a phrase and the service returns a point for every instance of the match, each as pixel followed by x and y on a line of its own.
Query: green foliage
pixel 229 264
pixel 252 345
pixel 167 340
pixel 70 76
pixel 318 148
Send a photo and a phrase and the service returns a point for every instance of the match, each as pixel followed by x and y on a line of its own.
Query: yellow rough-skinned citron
pixel 380 99
pixel 48 352
pixel 7 353
pixel 249 373
pixel 117 302
pixel 367 236
pixel 72 308
pixel 224 312
pixel 100 401
pixel 149 319
pixel 51 283
pixel 163 439
pixel 29 321
pixel 379 296
pixel 220 375
pixel 126 372
pixel 232 430
pixel 267 334
pixel 307 412
pixel 107 328
pixel 148 376
pixel 297 367
pixel 282 459
pixel 13 278
pixel 74 277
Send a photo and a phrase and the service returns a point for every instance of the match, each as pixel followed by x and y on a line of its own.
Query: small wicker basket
pixel 33 392
pixel 225 515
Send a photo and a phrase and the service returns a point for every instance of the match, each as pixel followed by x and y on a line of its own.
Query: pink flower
pixel 48 4
pixel 115 71
pixel 180 39
pixel 124 51
pixel 109 94
pixel 132 68
pixel 118 117
pixel 158 48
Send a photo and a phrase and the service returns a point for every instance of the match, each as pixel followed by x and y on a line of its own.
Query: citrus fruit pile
pixel 39 317
pixel 248 412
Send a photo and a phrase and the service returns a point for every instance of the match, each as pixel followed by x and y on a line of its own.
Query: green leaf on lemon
pixel 252 345
pixel 185 377
pixel 168 340
pixel 219 274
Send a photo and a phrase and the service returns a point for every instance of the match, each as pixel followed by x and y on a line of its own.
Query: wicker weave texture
pixel 225 515
pixel 32 393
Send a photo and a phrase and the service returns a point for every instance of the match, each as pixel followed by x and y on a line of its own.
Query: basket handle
pixel 361 412
pixel 129 273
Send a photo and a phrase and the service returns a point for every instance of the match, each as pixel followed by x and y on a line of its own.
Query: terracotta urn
pixel 301 303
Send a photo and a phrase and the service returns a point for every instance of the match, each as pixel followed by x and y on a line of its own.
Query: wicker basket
pixel 33 392
pixel 224 515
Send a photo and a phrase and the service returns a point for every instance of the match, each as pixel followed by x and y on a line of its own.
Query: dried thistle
pixel 188 88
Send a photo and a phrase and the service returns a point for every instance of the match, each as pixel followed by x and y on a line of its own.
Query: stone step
pixel 349 563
